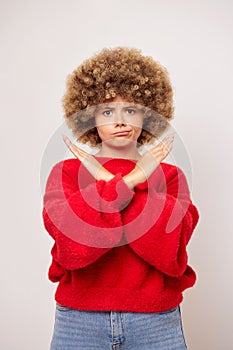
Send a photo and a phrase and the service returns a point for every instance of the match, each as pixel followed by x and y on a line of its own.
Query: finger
pixel 166 145
pixel 74 149
pixel 172 135
pixel 168 139
pixel 162 151
pixel 82 152
pixel 77 152
pixel 71 145
pixel 163 145
pixel 67 141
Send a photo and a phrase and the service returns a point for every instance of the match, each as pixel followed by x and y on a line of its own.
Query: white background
pixel 41 43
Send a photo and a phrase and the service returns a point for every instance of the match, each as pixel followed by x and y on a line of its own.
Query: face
pixel 119 122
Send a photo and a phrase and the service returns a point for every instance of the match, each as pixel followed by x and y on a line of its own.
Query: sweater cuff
pixel 116 194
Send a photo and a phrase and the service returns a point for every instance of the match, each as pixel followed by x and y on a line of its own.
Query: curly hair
pixel 118 71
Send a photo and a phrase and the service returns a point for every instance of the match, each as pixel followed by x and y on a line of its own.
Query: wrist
pixel 135 177
pixel 103 174
pixel 129 183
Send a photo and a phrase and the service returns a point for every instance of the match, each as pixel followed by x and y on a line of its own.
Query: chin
pixel 121 142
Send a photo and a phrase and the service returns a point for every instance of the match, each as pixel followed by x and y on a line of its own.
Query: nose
pixel 119 117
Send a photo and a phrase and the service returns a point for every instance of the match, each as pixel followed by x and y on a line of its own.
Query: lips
pixel 122 133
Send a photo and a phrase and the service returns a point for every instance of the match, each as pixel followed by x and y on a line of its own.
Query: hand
pixel 149 162
pixel 91 164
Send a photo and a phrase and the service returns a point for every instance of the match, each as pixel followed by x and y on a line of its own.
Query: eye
pixel 130 111
pixel 107 113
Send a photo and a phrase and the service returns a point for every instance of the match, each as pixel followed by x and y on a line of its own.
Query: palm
pixel 92 165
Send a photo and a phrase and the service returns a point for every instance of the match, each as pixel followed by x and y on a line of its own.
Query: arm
pixel 73 215
pixel 158 224
pixel 85 221
pixel 149 162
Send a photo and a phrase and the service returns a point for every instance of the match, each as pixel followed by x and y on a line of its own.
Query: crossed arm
pixel 166 252
pixel 143 168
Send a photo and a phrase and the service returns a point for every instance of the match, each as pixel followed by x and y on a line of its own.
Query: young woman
pixel 120 220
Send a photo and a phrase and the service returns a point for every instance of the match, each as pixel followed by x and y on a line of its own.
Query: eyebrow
pixel 113 107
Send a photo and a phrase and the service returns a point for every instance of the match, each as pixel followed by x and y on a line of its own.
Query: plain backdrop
pixel 41 43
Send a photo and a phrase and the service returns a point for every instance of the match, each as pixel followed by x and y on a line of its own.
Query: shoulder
pixel 174 175
pixel 66 164
pixel 171 170
pixel 175 178
pixel 64 171
pixel 64 167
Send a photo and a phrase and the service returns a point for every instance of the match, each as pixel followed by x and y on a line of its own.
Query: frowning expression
pixel 119 121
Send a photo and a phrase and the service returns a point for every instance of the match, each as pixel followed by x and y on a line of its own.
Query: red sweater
pixel 116 248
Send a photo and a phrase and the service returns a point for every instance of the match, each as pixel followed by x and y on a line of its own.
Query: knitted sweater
pixel 117 248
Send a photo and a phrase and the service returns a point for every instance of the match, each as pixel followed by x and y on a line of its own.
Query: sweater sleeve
pixel 84 221
pixel 158 223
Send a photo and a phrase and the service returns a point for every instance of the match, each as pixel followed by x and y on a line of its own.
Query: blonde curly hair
pixel 119 71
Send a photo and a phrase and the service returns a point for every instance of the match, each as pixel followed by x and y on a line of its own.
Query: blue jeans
pixel 114 330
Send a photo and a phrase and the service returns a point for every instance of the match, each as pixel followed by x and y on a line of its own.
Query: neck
pixel 124 152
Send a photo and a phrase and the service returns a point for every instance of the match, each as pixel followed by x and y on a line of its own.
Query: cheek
pixel 103 131
pixel 137 121
pixel 137 125
pixel 137 133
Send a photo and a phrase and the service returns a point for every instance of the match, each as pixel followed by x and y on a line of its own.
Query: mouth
pixel 122 133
